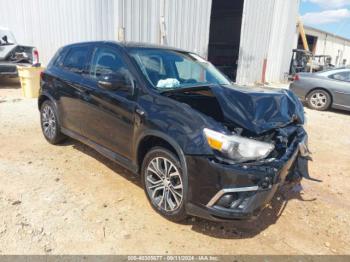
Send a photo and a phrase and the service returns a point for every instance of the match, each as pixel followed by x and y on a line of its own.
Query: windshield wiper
pixel 187 89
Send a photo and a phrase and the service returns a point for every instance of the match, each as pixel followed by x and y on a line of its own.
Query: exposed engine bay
pixel 276 116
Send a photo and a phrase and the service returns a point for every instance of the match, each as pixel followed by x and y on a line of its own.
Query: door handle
pixel 140 112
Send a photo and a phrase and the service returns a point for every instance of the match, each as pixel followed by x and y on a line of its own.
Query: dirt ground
pixel 70 200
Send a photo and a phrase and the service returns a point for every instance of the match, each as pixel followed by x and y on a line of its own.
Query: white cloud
pixel 326 17
pixel 328 4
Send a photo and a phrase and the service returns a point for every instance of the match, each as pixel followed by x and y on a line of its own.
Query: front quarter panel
pixel 177 121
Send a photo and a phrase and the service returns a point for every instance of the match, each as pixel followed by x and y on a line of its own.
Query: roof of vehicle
pixel 333 71
pixel 130 45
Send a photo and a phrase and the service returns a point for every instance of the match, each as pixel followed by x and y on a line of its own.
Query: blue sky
pixel 329 15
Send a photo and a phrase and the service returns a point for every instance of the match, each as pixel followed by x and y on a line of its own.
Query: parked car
pixel 202 147
pixel 325 89
pixel 13 54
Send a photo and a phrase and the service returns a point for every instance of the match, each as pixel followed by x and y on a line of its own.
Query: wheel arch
pixel 41 100
pixel 152 139
pixel 323 89
pixel 46 96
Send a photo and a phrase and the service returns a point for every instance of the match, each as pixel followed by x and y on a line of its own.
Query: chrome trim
pixel 303 147
pixel 341 105
pixel 341 92
pixel 219 194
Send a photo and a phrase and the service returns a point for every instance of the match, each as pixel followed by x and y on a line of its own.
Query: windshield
pixel 169 69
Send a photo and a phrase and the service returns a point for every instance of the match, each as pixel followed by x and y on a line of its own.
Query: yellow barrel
pixel 30 80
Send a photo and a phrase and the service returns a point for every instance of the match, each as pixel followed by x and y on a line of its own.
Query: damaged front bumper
pixel 219 191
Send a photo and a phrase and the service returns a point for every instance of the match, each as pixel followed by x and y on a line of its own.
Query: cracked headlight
pixel 237 148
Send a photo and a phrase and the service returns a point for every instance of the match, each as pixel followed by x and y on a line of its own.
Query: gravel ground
pixel 70 200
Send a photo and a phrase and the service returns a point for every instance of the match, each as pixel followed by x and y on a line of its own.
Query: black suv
pixel 201 145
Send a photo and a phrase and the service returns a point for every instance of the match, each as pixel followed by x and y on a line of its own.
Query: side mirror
pixel 116 81
pixel 4 38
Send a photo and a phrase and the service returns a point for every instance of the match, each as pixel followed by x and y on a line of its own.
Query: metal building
pixel 250 40
pixel 325 43
pixel 267 40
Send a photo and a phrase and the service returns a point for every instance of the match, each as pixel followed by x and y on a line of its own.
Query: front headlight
pixel 237 148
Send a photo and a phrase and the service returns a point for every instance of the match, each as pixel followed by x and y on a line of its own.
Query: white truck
pixel 13 54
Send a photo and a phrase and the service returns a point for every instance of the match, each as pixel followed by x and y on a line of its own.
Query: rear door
pixel 341 88
pixel 68 84
pixel 109 112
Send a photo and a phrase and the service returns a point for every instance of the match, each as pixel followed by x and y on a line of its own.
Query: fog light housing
pixel 227 200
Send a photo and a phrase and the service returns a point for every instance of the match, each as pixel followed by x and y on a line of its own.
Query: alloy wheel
pixel 164 184
pixel 48 122
pixel 318 100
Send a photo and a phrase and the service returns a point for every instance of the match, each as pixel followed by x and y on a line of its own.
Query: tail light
pixel 296 77
pixel 35 56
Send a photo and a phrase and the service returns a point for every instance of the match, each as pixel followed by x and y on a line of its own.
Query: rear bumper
pixel 226 192
pixel 8 70
pixel 299 90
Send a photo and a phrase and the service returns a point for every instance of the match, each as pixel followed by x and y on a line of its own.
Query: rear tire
pixel 165 183
pixel 319 100
pixel 49 123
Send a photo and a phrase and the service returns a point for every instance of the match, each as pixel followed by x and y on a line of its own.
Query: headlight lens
pixel 237 148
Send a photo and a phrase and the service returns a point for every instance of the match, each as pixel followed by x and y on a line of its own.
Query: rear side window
pixel 57 60
pixel 342 76
pixel 76 59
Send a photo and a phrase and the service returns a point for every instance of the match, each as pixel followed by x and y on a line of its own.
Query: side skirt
pixel 341 107
pixel 126 163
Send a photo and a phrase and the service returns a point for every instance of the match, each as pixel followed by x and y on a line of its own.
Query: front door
pixel 341 88
pixel 109 110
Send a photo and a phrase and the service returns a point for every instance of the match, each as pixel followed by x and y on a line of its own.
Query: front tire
pixel 319 100
pixel 165 183
pixel 49 123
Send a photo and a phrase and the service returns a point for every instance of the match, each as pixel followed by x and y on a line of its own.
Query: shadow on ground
pixel 108 163
pixel 338 111
pixel 250 228
pixel 223 230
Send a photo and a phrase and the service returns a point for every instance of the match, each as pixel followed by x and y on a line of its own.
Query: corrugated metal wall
pixel 255 37
pixel 188 23
pixel 268 32
pixel 185 24
pixel 268 27
pixel 334 46
pixel 282 40
pixel 49 24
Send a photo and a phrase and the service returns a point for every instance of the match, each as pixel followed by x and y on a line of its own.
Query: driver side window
pixel 106 64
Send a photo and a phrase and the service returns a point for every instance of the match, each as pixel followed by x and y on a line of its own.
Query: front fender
pixel 155 133
pixel 177 121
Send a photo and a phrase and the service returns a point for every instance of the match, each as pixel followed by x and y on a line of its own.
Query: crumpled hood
pixel 259 109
